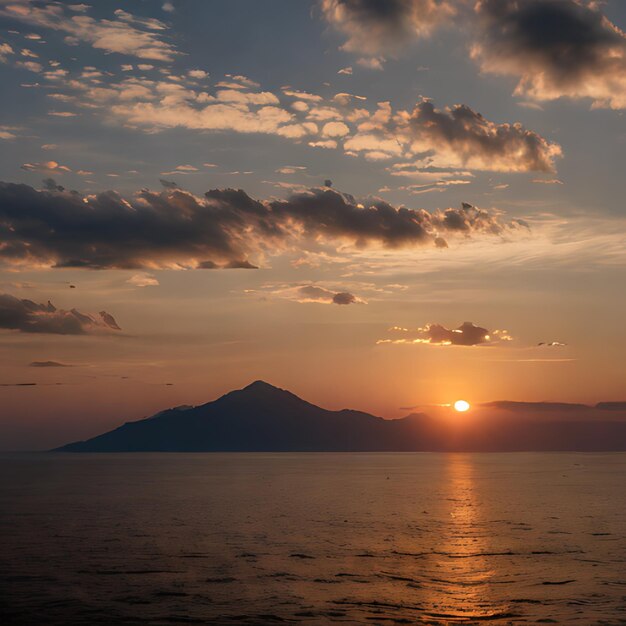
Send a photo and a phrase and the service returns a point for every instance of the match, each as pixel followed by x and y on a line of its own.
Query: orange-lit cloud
pixel 467 334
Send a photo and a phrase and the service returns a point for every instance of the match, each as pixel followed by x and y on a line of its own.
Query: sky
pixel 376 205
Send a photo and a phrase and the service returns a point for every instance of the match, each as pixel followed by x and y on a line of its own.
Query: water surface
pixel 313 538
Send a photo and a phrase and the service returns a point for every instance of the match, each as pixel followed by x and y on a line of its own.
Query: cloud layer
pixel 176 229
pixel 124 34
pixel 422 136
pixel 27 316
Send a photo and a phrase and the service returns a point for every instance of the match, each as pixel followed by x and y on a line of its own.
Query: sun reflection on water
pixel 462 570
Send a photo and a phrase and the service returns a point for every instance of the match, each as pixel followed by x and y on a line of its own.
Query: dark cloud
pixel 557 48
pixel 176 229
pixel 467 334
pixel 376 27
pixel 241 265
pixel 51 185
pixel 47 364
pixel 344 298
pixel 464 138
pixel 18 384
pixel 314 293
pixel 207 265
pixel 27 316
pixel 551 344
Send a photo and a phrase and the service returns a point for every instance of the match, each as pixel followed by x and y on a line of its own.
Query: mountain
pixel 264 418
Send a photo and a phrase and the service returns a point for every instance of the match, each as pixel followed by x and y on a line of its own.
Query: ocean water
pixel 313 539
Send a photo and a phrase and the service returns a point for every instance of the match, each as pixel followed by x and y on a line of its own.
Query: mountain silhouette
pixel 264 418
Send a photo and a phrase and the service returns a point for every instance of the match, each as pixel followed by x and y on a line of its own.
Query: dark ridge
pixel 511 405
pixel 611 406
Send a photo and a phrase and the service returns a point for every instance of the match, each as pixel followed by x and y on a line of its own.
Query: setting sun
pixel 461 406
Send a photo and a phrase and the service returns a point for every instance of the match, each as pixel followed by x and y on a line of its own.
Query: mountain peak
pixel 261 393
pixel 260 385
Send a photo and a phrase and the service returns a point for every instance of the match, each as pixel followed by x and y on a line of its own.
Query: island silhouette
pixel 264 418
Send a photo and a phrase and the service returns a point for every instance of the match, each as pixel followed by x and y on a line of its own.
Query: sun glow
pixel 461 406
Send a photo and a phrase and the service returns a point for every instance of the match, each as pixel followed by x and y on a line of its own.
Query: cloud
pixel 460 137
pixel 48 364
pixel 329 144
pixel 47 167
pixel 344 297
pixel 181 169
pixel 371 63
pixel 424 136
pixel 126 34
pixel 467 334
pixel 314 293
pixel 240 264
pixel 18 384
pixel 551 344
pixel 290 169
pixel 5 50
pixel 143 280
pixel 375 27
pixel 31 66
pixel 197 74
pixel 547 181
pixel 335 129
pixel 174 228
pixel 27 316
pixel 224 116
pixel 311 293
pixel 557 48
pixel 8 132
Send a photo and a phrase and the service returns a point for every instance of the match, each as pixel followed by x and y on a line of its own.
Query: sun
pixel 461 406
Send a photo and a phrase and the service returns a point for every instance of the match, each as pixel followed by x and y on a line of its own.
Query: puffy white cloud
pixel 335 129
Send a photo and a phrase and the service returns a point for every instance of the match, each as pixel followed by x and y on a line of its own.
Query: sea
pixel 313 538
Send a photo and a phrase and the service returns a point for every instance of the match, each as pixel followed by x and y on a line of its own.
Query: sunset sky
pixel 376 205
